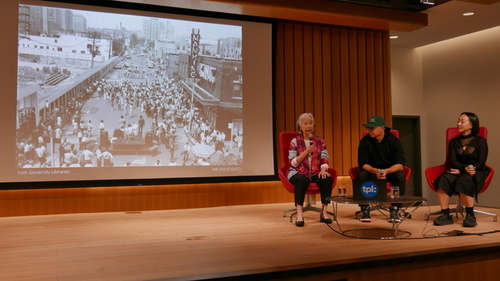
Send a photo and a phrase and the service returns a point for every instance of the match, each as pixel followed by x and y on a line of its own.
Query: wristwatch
pixel 382 172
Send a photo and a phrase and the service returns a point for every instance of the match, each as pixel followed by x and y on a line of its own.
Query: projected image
pixel 112 90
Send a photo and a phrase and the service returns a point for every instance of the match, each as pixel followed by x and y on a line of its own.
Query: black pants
pixel 396 179
pixel 301 184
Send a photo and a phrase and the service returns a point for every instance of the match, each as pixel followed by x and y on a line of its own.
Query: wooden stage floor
pixel 234 242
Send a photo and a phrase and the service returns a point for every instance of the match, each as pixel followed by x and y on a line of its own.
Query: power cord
pixel 461 233
pixel 425 235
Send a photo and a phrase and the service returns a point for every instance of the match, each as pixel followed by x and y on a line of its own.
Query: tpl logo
pixel 369 189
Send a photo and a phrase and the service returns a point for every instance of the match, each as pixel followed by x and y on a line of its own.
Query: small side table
pixel 411 204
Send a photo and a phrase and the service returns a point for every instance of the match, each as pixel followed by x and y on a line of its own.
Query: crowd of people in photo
pixel 33 146
pixel 164 105
pixel 169 108
pixel 55 149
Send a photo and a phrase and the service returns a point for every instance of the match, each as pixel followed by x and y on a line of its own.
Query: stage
pixel 253 242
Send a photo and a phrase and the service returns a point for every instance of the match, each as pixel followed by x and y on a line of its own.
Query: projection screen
pixel 106 95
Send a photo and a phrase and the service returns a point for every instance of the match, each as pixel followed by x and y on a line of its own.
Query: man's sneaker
pixel 394 214
pixel 365 214
pixel 470 221
pixel 443 220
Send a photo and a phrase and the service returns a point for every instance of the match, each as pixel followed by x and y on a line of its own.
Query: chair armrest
pixel 432 173
pixel 353 172
pixel 284 180
pixel 334 174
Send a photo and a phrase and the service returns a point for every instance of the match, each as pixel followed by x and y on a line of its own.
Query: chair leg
pixel 289 210
pixel 486 213
pixel 309 201
pixel 461 210
pixel 305 209
pixel 431 213
pixel 457 210
pixel 460 207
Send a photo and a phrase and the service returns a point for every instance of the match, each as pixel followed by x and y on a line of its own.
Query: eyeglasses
pixel 370 128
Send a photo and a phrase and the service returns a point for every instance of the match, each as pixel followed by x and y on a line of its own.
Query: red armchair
pixel 284 140
pixel 433 172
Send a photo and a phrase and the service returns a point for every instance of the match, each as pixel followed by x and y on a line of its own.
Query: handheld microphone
pixel 470 166
pixel 310 142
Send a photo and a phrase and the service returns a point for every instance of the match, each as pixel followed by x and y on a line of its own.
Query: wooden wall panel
pixel 318 78
pixel 336 75
pixel 344 106
pixel 354 81
pixel 289 63
pixel 363 87
pixel 370 77
pixel 339 74
pixel 325 71
pixel 139 198
pixel 298 68
pixel 307 88
pixel 279 83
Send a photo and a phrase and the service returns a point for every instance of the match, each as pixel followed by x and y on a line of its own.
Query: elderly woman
pixel 468 153
pixel 309 163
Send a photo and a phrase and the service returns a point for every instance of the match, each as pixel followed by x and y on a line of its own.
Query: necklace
pixel 465 143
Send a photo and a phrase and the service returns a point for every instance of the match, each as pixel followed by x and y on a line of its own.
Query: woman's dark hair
pixel 474 120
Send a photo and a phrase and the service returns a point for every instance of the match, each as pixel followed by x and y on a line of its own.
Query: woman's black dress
pixel 465 151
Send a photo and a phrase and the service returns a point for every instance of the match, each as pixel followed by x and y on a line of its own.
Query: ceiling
pixel 403 5
pixel 446 21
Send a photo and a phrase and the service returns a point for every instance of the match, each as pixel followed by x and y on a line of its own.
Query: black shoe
pixel 325 220
pixel 299 223
pixel 443 220
pixel 470 221
pixel 365 214
pixel 394 215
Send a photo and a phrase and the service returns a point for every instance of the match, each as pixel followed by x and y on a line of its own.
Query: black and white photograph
pixel 98 89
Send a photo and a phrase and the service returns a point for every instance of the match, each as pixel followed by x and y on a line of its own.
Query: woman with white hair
pixel 309 161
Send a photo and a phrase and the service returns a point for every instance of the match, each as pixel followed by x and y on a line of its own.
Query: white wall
pixel 407 81
pixel 408 95
pixel 461 74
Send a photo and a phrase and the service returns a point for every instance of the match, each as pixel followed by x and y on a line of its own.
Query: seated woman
pixel 467 155
pixel 309 163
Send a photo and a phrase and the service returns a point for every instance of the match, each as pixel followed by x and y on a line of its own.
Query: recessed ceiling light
pixel 393 37
pixel 468 14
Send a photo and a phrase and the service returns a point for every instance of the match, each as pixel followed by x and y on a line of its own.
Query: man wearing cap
pixel 381 156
